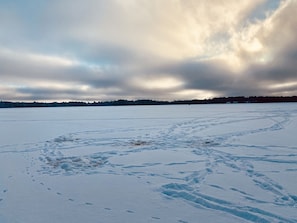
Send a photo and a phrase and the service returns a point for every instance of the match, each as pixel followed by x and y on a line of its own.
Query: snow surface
pixel 204 163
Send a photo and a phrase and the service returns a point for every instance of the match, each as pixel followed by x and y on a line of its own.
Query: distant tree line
pixel 221 100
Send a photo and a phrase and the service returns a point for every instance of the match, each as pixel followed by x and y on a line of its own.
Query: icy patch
pixel 139 143
pixel 63 139
pixel 72 165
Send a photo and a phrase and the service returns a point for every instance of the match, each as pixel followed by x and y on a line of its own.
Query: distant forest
pixel 221 100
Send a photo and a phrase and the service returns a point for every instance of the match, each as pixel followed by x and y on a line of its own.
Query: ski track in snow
pixel 188 160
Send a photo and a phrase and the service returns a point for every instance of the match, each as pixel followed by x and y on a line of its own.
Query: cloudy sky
pixel 60 50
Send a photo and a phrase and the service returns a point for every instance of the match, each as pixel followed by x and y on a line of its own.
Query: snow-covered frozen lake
pixel 198 163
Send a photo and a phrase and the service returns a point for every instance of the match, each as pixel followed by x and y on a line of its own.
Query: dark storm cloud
pixel 48 93
pixel 203 75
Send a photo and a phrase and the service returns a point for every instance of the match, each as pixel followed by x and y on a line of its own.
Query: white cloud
pixel 157 82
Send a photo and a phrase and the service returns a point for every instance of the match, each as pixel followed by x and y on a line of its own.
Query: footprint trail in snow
pixel 239 163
